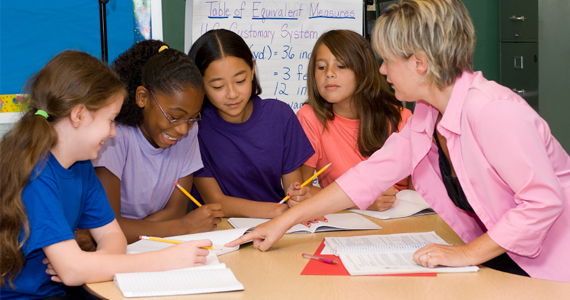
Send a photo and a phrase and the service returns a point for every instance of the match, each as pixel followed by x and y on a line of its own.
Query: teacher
pixel 477 152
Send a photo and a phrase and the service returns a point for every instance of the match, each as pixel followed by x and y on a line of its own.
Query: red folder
pixel 315 267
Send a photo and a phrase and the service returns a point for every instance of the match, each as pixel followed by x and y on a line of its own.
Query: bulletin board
pixel 280 34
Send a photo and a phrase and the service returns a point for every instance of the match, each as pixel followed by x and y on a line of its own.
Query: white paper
pixel 218 237
pixel 408 203
pixel 177 282
pixel 391 263
pixel 380 243
pixel 343 221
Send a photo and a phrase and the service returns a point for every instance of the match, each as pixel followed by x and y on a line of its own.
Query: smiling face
pixel 228 87
pixel 97 127
pixel 335 83
pixel 156 128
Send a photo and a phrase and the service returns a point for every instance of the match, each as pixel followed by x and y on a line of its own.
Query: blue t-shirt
pixel 57 201
pixel 248 159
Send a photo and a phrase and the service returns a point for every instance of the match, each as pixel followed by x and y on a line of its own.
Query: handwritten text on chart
pixel 278 52
pixel 248 32
pixel 281 11
pixel 280 35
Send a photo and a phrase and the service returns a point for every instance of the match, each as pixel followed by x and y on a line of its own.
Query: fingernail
pixel 297 186
pixel 326 220
pixel 315 220
pixel 308 224
pixel 288 194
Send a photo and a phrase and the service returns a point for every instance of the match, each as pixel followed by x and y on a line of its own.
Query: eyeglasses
pixel 189 121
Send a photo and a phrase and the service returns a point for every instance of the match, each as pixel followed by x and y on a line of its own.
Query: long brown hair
pixel 376 107
pixel 67 80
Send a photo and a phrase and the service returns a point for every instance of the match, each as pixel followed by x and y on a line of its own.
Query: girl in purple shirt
pixel 251 148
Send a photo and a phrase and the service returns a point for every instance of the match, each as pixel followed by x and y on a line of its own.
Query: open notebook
pixel 218 237
pixel 342 221
pixel 198 280
pixel 408 203
pixel 386 254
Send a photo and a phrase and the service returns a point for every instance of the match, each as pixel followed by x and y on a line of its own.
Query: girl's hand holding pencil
pixel 299 187
pixel 204 218
pixel 297 194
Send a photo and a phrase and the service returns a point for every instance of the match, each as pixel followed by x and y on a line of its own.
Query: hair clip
pixel 163 47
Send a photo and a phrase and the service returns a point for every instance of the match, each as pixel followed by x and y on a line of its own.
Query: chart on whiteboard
pixel 280 34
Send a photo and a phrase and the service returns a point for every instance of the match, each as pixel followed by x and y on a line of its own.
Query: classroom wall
pixel 173 23
pixel 33 31
pixel 485 15
pixel 554 67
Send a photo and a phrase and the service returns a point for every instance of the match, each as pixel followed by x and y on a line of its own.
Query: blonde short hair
pixel 441 30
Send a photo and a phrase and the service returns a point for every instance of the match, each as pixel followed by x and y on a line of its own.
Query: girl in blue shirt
pixel 48 187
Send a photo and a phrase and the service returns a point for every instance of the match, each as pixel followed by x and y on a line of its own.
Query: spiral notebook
pixel 199 280
pixel 386 254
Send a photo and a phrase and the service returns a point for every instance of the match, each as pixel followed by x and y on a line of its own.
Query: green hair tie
pixel 42 113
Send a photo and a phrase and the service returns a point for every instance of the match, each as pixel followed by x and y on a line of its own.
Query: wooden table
pixel 275 274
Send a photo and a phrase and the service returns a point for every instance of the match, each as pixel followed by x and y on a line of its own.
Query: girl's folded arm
pixel 236 207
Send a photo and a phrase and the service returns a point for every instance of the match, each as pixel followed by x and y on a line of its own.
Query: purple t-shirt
pixel 147 174
pixel 248 159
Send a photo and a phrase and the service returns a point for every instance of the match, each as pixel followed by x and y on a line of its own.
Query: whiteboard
pixel 280 34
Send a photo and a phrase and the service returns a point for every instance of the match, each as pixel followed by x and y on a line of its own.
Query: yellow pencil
pixel 307 182
pixel 150 238
pixel 187 194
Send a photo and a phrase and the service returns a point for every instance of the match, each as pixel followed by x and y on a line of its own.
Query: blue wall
pixel 33 31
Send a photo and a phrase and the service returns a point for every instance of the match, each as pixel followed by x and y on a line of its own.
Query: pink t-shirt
pixel 337 144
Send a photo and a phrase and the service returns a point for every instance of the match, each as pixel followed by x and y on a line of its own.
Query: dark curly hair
pixel 217 44
pixel 165 72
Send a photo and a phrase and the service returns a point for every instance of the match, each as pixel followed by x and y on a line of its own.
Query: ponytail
pixel 69 79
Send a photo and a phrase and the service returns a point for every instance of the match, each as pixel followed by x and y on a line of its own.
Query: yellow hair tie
pixel 164 47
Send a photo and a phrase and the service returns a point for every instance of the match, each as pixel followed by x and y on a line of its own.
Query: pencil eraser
pixel 176 182
pixel 140 237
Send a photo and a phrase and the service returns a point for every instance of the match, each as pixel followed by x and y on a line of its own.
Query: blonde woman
pixel 476 151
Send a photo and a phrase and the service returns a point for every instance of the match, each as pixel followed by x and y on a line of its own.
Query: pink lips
pixel 233 105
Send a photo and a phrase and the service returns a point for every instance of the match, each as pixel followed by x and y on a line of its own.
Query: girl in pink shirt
pixel 477 152
pixel 350 111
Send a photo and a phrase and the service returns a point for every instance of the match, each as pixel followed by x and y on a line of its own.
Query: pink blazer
pixel 514 173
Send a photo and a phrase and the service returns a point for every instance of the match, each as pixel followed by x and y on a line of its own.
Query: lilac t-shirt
pixel 248 159
pixel 147 174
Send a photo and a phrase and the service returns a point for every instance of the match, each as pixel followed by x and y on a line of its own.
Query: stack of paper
pixel 386 254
